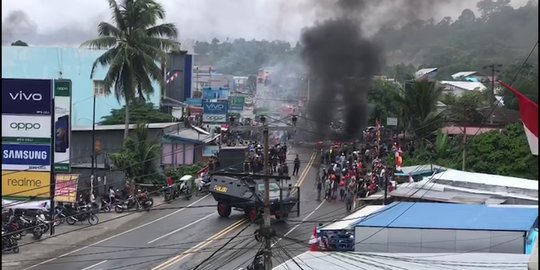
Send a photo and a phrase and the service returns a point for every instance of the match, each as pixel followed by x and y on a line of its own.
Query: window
pixel 99 88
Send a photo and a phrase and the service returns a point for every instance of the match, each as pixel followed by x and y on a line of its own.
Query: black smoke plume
pixel 341 64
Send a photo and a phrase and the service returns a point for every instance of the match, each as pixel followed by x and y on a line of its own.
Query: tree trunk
pixel 126 129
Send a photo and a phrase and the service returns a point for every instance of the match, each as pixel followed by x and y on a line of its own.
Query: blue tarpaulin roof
pixel 452 216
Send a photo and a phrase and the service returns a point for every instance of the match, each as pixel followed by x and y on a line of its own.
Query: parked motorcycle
pixel 41 225
pixel 9 243
pixel 83 213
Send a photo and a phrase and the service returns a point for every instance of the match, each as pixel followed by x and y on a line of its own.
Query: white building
pixel 458 88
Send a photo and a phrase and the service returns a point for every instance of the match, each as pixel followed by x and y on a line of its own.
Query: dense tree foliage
pixel 138 157
pixel 140 111
pixel 19 43
pixel 241 57
pixel 501 35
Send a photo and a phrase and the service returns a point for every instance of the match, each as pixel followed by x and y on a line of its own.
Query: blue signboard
pixel 215 93
pixel 197 102
pixel 217 107
pixel 26 96
pixel 26 154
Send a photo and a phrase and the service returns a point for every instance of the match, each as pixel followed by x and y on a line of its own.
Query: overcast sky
pixel 70 22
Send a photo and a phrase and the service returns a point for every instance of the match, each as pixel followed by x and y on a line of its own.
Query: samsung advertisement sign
pixel 26 96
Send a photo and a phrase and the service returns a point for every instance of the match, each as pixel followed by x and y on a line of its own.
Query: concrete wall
pixel 66 63
pixel 395 240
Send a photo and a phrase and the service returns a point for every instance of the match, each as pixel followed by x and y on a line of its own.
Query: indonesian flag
pixel 528 111
pixel 314 241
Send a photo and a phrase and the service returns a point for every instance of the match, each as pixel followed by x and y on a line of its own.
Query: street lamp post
pixel 92 176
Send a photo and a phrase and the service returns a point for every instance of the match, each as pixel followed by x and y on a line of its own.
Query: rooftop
pixel 465 85
pixel 417 261
pixel 486 179
pixel 349 221
pixel 422 72
pixel 457 76
pixel 452 217
pixel 122 126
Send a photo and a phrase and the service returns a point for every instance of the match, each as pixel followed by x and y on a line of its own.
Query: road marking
pixel 116 235
pixel 200 246
pixel 303 220
pixel 179 229
pixel 94 265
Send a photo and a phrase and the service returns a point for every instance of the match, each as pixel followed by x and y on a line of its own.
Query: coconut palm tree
pixel 418 104
pixel 136 46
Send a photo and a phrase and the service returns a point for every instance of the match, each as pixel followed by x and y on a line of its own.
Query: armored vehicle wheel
pixel 223 209
pixel 251 214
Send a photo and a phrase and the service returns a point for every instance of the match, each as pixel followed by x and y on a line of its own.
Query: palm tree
pixel 418 104
pixel 135 45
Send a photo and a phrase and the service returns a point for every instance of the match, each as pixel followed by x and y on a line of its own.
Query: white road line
pixel 94 265
pixel 179 229
pixel 304 219
pixel 116 235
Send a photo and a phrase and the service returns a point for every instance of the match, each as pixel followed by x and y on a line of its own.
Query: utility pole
pixel 92 176
pixel 464 138
pixel 493 69
pixel 266 226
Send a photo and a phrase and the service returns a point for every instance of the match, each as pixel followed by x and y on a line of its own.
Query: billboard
pixel 215 93
pixel 26 156
pixel 197 102
pixel 66 188
pixel 37 128
pixel 62 125
pixel 216 107
pixel 25 184
pixel 26 96
pixel 215 112
pixel 236 103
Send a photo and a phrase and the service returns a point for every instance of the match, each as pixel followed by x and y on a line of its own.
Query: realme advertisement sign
pixel 26 184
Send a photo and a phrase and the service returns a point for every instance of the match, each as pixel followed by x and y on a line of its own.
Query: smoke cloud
pixel 16 25
pixel 341 63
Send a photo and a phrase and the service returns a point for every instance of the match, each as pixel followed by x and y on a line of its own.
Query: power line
pixel 220 248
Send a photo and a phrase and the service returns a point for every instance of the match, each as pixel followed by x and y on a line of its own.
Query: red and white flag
pixel 528 110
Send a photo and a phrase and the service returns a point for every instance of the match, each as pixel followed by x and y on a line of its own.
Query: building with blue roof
pixel 442 227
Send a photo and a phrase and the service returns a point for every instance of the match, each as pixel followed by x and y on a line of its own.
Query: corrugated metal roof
pixel 191 135
pixel 420 73
pixel 465 85
pixel 122 126
pixel 349 221
pixel 417 261
pixel 461 74
pixel 486 179
pixel 452 216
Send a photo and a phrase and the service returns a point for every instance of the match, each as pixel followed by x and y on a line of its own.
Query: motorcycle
pixel 82 214
pixel 170 193
pixel 41 225
pixel 139 201
pixel 9 243
pixel 203 186
pixel 106 205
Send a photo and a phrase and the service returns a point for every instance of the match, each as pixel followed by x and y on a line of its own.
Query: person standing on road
pixel 319 189
pixel 296 165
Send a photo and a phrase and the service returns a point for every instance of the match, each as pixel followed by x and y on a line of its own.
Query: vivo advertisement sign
pixel 217 107
pixel 27 155
pixel 22 126
pixel 26 96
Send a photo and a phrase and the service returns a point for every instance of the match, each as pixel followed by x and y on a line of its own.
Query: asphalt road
pixel 182 238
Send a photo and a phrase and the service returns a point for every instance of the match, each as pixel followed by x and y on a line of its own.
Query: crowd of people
pixel 348 171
